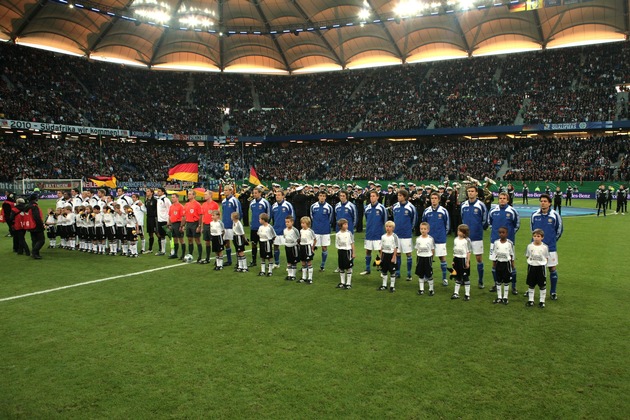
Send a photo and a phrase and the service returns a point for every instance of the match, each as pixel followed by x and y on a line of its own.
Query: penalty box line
pixel 86 283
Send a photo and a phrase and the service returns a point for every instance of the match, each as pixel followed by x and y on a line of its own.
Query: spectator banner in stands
pixel 63 128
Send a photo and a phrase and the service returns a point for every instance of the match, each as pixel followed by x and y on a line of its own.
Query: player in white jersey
pixel 308 242
pixel 389 249
pixel 344 241
pixel 71 223
pixel 122 199
pixel 538 255
pixel 100 199
pixel 75 198
pixel 292 248
pixel 98 240
pixel 240 241
pixel 51 226
pixel 266 236
pixel 61 225
pixel 502 257
pixel 217 230
pixel 80 225
pixel 163 206
pixel 425 250
pixel 88 222
pixel 462 248
pixel 140 211
pixel 121 232
pixel 131 226
pixel 61 200
pixel 110 226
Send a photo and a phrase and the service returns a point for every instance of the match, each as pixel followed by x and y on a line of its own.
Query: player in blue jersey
pixel 346 210
pixel 438 219
pixel 550 222
pixel 279 212
pixel 405 218
pixel 475 216
pixel 322 216
pixel 229 205
pixel 258 206
pixel 375 219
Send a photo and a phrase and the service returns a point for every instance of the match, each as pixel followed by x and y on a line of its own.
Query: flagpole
pixel 243 162
pixel 100 153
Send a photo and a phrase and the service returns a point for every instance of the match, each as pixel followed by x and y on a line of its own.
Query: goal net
pixel 48 187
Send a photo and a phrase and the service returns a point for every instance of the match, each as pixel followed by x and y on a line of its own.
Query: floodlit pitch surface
pixel 190 342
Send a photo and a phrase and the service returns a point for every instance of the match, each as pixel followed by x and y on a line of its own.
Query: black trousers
pixel 37 241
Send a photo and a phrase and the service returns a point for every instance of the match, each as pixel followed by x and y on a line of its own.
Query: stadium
pixel 113 98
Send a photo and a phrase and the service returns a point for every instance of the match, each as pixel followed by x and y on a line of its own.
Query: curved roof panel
pixel 287 36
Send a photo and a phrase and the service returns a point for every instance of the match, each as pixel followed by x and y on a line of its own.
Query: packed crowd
pixel 564 159
pixel 565 85
pixel 567 160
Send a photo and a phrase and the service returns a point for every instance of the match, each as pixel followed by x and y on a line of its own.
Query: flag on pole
pixel 186 170
pixel 104 181
pixel 253 177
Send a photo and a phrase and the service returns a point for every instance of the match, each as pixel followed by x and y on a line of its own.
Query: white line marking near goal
pixel 70 286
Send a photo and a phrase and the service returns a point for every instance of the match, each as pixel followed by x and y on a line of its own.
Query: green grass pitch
pixel 189 342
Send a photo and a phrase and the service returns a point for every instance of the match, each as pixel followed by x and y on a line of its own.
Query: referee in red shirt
pixel 192 221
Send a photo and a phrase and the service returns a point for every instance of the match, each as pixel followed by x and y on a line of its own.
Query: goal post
pixel 50 186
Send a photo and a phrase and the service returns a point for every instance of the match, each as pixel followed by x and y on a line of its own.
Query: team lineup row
pixel 194 220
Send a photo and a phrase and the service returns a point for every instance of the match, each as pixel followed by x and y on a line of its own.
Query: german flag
pixel 186 170
pixel 253 177
pixel 104 181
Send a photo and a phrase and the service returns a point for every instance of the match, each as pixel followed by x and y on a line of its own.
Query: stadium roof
pixel 301 36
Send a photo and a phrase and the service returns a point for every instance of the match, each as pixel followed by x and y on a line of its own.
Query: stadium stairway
pixel 190 89
pixel 10 85
pixel 519 117
pixel 504 168
pixel 255 97
pixel 622 99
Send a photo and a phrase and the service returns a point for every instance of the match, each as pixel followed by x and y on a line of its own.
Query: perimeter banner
pixel 63 128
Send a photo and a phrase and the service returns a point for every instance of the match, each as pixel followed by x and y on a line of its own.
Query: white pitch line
pixel 70 286
pixel 41 292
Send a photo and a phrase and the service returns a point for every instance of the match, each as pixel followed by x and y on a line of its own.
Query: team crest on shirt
pixel 508 216
pixel 476 211
pixel 550 220
pixel 439 216
pixel 406 212
pixel 378 212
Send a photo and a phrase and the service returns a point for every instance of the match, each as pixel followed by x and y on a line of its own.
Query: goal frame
pixel 49 184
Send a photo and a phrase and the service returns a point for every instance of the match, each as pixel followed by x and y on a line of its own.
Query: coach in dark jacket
pixel 37 234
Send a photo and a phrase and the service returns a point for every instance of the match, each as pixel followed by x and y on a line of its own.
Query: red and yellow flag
pixel 253 177
pixel 104 181
pixel 186 170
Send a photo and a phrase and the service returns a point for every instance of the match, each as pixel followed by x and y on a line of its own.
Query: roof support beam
pixel 471 47
pixel 321 36
pixel 553 30
pixel 273 37
pixel 400 54
pixel 34 11
pixel 626 18
pixel 105 31
pixel 460 31
pixel 158 44
pixel 541 36
pixel 221 38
